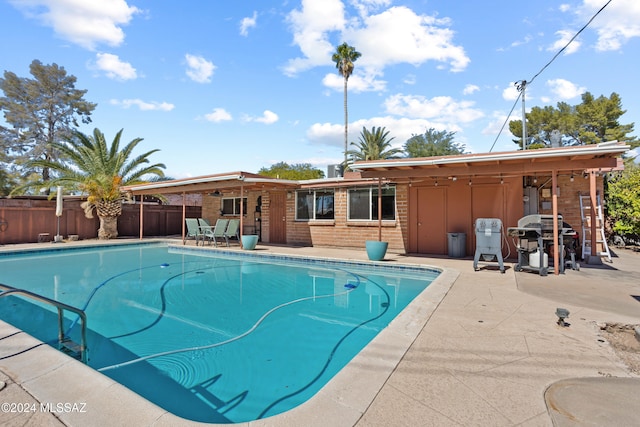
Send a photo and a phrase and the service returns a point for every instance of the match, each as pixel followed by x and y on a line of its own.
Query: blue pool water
pixel 210 336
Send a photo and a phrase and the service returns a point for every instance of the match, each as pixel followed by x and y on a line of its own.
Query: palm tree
pixel 374 145
pixel 99 172
pixel 344 58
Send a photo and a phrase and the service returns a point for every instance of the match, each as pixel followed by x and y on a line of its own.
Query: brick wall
pixel 568 199
pixel 329 233
pixel 348 234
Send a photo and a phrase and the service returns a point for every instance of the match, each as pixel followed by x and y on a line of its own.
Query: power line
pixel 545 67
pixel 569 42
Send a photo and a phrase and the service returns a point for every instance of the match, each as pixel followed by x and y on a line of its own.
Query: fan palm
pixel 100 171
pixel 344 57
pixel 374 145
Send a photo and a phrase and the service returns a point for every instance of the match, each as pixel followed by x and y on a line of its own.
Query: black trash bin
pixel 457 244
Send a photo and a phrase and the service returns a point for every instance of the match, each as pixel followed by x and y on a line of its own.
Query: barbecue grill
pixel 535 236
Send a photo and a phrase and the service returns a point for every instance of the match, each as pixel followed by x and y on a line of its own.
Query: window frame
pixel 315 194
pixel 236 206
pixel 372 194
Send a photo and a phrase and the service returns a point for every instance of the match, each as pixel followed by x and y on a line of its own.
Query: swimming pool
pixel 260 335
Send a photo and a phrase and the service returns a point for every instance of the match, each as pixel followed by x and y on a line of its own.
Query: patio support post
pixel 141 216
pixel 380 209
pixel 184 215
pixel 594 212
pixel 241 211
pixel 554 210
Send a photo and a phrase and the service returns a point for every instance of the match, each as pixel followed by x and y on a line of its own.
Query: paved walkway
pixel 488 354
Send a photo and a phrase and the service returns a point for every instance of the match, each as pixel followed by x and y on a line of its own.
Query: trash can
pixel 457 244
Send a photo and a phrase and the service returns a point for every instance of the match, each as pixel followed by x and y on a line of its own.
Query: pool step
pixel 71 348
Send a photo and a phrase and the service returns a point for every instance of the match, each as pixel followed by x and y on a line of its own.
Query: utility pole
pixel 521 86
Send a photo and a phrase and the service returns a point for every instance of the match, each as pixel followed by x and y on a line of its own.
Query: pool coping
pixel 342 401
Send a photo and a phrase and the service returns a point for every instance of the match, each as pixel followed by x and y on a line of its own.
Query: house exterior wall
pixel 568 200
pixel 212 208
pixel 340 232
pixel 462 205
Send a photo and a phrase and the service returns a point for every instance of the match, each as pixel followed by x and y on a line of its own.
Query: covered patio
pixel 451 191
pixel 232 183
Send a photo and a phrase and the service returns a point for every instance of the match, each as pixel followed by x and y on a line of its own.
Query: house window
pixel 231 206
pixel 363 203
pixel 314 204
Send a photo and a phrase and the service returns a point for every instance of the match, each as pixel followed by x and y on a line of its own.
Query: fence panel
pixel 23 219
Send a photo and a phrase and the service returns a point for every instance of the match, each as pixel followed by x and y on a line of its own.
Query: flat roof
pixel 574 158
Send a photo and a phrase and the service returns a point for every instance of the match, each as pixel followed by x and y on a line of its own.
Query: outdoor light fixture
pixel 469 181
pixel 562 314
pixel 535 179
pixel 455 178
pixel 571 179
pixel 215 194
pixel 436 184
pixel 501 180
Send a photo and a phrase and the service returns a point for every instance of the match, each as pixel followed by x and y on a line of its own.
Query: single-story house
pixel 412 203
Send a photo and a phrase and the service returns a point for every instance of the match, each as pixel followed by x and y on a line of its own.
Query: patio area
pixel 488 351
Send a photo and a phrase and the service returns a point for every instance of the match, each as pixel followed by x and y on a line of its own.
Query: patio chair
pixel 233 230
pixel 216 232
pixel 193 230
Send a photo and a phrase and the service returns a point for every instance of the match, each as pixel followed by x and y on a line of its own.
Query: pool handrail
pixel 9 290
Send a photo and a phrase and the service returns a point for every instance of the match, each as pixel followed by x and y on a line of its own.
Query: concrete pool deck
pixel 481 348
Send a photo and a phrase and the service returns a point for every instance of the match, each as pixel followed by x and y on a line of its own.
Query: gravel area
pixel 625 341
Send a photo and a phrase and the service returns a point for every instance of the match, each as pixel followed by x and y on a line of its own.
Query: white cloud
pixel 310 26
pixel 358 82
pixel 564 89
pixel 439 108
pixel 617 23
pixel 470 89
pixel 563 38
pixel 218 115
pixel 114 68
pixel 199 69
pixel 143 105
pixel 498 121
pixel 410 79
pixel 396 35
pixel 510 93
pixel 268 118
pixel 247 23
pixel 365 7
pixel 85 23
pixel 399 35
pixel 401 129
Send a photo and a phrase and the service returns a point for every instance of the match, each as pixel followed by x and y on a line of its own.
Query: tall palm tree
pixel 100 171
pixel 373 145
pixel 344 57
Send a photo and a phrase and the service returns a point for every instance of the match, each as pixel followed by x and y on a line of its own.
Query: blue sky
pixel 224 86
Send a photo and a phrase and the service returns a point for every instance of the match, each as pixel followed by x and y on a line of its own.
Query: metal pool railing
pixel 64 343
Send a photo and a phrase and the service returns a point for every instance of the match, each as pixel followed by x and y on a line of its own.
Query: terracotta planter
pixel 376 250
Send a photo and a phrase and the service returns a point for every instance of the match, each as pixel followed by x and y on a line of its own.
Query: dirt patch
pixel 622 339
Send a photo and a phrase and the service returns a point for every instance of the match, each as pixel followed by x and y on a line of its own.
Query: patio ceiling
pixel 576 159
pixel 203 184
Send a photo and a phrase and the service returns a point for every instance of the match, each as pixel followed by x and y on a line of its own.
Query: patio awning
pixel 203 184
pixel 523 162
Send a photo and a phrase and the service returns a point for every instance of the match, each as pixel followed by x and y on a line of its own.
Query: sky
pixel 221 86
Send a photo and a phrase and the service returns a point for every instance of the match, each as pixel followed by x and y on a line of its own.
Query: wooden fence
pixel 28 219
